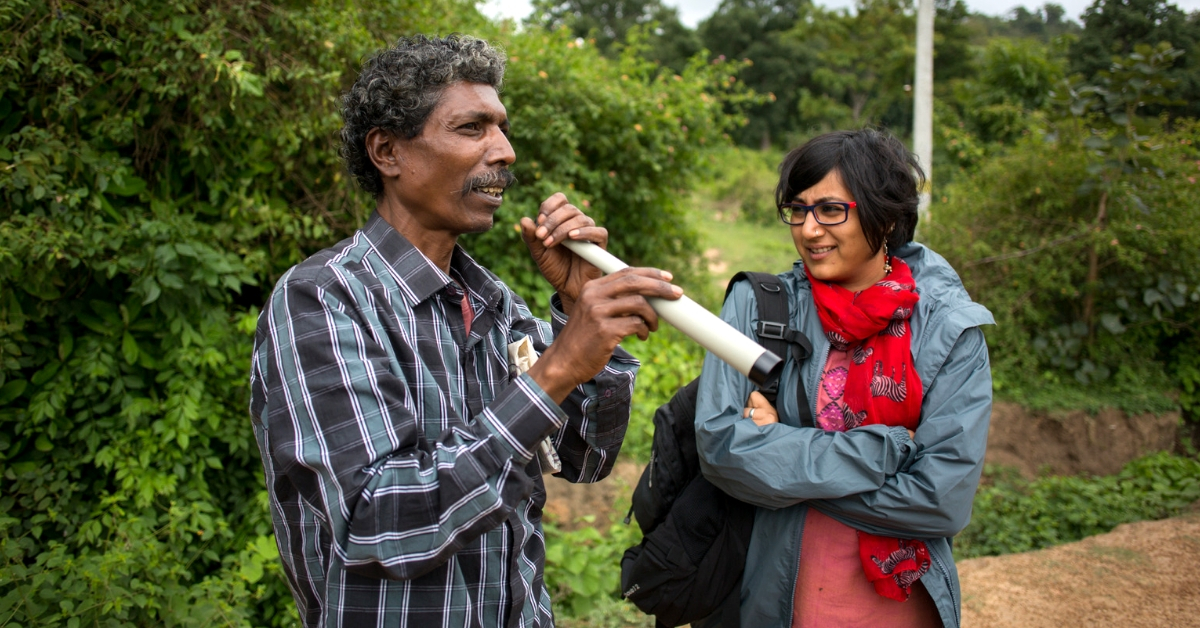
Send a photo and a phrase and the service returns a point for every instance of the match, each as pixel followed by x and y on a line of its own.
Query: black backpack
pixel 688 567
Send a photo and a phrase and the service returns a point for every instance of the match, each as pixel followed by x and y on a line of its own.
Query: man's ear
pixel 383 147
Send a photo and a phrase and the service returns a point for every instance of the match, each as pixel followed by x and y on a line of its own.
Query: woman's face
pixel 838 254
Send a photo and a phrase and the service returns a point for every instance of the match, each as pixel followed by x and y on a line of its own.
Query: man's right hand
pixel 608 310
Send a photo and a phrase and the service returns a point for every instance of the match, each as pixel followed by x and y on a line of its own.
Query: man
pixel 398 444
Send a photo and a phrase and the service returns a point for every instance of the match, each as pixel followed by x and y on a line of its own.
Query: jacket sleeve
pixel 783 464
pixel 597 411
pixel 338 427
pixel 932 495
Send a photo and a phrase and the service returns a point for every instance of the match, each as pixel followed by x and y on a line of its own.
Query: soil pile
pixel 1140 575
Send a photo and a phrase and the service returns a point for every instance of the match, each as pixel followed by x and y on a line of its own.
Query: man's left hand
pixel 559 220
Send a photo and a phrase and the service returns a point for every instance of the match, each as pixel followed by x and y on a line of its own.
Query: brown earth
pixel 1071 443
pixel 1139 575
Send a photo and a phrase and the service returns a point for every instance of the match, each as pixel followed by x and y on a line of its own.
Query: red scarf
pixel 882 387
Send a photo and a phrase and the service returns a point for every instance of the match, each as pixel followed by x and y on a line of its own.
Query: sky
pixel 692 11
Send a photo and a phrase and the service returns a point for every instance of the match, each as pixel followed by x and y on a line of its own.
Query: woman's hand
pixel 759 410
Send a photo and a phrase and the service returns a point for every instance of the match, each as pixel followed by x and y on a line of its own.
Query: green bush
pixel 1015 515
pixel 742 185
pixel 1081 239
pixel 583 566
pixel 161 165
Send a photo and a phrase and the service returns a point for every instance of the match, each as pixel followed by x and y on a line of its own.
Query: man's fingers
pixel 548 206
pixel 647 282
pixel 576 227
pixel 562 221
pixel 629 308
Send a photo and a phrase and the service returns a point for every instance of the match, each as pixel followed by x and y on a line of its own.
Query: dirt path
pixel 1140 575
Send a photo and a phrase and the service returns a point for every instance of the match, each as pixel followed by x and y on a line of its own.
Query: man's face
pixel 453 173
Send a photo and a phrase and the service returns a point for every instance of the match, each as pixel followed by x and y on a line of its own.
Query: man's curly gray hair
pixel 400 86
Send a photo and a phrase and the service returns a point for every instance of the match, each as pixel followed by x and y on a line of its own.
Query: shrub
pixel 1015 515
pixel 1081 239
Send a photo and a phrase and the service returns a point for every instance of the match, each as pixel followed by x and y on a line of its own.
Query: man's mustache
pixel 501 178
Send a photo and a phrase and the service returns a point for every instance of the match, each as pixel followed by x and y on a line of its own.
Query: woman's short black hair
pixel 875 167
pixel 400 86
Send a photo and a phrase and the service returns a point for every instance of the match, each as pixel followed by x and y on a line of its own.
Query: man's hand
pixel 558 220
pixel 759 410
pixel 608 309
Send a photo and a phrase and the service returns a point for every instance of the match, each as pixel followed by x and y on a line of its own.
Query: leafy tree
pixel 758 30
pixel 1045 24
pixel 1013 81
pixel 1116 27
pixel 1081 239
pixel 161 164
pixel 607 22
pixel 952 54
pixel 864 65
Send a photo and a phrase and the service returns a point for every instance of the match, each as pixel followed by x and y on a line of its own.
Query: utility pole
pixel 923 104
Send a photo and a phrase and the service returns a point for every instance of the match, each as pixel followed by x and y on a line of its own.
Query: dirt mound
pixel 1071 443
pixel 567 503
pixel 1137 576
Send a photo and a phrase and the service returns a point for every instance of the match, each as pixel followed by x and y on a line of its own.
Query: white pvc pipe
pixel 689 317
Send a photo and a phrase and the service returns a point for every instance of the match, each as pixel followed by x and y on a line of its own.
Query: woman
pixel 856 512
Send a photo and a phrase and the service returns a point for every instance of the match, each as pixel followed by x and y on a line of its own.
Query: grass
pixel 741 244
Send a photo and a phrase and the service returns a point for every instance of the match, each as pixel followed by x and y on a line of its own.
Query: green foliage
pixel 583 566
pixel 1114 29
pixel 758 30
pixel 742 189
pixel 1014 79
pixel 1015 515
pixel 859 80
pixel 606 23
pixel 1081 240
pixel 162 164
pixel 669 361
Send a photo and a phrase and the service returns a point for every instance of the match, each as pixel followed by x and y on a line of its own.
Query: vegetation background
pixel 162 163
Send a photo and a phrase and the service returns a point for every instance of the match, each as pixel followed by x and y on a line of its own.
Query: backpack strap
pixel 775 335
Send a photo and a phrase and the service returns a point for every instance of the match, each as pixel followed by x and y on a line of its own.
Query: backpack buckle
pixel 772 330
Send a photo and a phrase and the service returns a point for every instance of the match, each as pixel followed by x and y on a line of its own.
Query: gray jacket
pixel 873 478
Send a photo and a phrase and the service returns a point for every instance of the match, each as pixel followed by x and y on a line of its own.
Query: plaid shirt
pixel 399 450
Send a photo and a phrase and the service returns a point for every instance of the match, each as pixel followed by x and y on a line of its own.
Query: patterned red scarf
pixel 882 387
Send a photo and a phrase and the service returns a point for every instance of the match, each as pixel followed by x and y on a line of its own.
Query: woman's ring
pixel 751 415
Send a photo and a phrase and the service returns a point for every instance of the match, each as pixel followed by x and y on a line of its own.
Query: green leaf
pixel 129 348
pixel 153 291
pixel 12 390
pixel 1112 323
pixel 66 344
pixel 252 570
pixel 43 444
pixel 41 377
pixel 127 186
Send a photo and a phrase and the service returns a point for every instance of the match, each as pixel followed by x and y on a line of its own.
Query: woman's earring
pixel 887 260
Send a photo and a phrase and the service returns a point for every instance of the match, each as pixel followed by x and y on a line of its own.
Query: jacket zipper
pixel 949 587
pixel 796 578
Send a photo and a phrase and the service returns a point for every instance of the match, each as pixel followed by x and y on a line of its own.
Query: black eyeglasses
pixel 829 213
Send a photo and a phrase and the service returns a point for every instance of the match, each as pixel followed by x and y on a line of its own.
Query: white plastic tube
pixel 714 334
